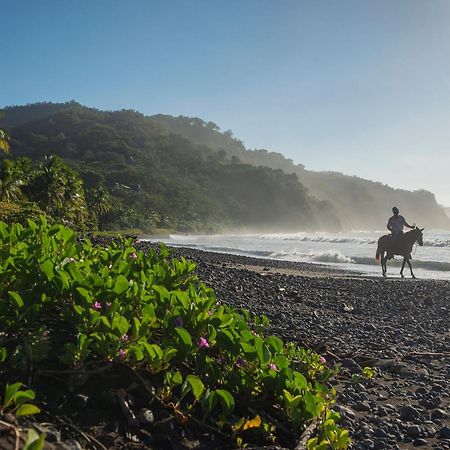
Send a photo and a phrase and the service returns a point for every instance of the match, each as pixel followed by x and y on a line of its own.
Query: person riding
pixel 395 226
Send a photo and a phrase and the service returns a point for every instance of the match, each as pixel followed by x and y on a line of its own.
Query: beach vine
pixel 68 306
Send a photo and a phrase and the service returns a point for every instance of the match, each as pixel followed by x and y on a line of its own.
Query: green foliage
pixel 19 212
pixel 70 304
pixel 16 401
pixel 174 181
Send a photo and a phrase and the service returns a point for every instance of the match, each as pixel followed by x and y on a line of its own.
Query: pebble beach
pixel 400 327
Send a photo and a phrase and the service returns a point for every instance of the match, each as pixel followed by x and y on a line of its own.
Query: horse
pixel 402 248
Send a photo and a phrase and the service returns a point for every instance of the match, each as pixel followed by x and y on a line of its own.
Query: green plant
pixel 98 307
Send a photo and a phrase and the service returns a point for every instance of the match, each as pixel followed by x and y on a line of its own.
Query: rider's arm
pixel 389 225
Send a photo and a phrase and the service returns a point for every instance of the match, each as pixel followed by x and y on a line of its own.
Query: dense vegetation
pixel 359 203
pixel 161 179
pixel 80 314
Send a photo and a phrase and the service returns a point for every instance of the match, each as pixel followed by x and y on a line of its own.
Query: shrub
pixel 70 304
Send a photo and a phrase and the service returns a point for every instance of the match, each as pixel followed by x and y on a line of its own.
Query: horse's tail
pixel 378 253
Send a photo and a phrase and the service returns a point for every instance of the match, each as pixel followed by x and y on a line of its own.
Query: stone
pixel 444 433
pixel 408 412
pixel 413 431
pixel 145 416
pixel 361 406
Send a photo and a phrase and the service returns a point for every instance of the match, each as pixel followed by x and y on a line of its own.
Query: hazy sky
pixel 361 86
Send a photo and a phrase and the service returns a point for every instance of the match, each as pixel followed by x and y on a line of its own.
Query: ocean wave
pixel 428 265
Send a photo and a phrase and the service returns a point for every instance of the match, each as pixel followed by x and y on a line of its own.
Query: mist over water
pixel 349 250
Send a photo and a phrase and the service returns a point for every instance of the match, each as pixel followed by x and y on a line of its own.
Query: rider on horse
pixel 395 226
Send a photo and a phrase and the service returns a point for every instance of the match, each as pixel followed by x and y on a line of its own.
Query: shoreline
pixel 401 327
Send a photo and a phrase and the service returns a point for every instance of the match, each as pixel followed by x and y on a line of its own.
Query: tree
pixel 4 145
pixel 11 181
pixel 99 201
pixel 59 191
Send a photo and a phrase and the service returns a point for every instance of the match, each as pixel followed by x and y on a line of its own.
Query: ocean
pixel 346 250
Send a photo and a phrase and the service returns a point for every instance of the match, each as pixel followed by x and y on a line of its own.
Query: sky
pixel 356 86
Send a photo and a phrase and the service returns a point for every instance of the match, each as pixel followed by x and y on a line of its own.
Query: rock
pixel 408 413
pixel 145 416
pixel 345 411
pixel 413 431
pixel 438 414
pixel 419 442
pixel 444 433
pixel 361 406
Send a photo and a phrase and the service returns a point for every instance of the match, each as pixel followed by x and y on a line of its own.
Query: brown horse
pixel 403 248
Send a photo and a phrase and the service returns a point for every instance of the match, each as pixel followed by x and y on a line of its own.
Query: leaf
pixel 27 409
pixel 226 400
pixel 10 391
pixel 34 440
pixel 22 396
pixel 177 378
pixel 16 298
pixel 196 385
pixel 253 423
pixel 47 269
pixel 184 336
pixel 3 354
pixel 121 285
pixel 85 295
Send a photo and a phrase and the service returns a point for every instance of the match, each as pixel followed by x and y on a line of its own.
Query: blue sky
pixel 357 86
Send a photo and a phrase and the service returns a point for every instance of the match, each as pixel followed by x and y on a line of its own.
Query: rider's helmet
pixel 395 210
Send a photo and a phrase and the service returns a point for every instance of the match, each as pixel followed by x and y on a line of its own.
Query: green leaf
pixel 226 400
pixel 85 295
pixel 196 385
pixel 16 298
pixel 10 392
pixel 121 285
pixel 184 336
pixel 34 440
pixel 23 396
pixel 27 410
pixel 177 378
pixel 47 269
pixel 3 354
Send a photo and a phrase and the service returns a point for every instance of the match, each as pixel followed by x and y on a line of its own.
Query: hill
pixel 360 203
pixel 350 201
pixel 150 172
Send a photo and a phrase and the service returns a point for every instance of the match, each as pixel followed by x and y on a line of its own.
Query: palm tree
pixel 11 181
pixel 4 141
pixel 99 201
pixel 59 191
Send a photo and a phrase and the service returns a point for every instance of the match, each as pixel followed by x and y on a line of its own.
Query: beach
pixel 400 327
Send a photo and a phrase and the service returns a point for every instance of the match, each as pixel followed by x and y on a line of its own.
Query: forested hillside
pixel 360 203
pixel 163 179
pixel 119 148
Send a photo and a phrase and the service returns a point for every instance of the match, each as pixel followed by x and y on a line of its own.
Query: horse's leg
pixel 410 268
pixel 383 264
pixel 403 266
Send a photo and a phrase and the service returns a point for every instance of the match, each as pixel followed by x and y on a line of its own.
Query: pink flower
pixel 322 360
pixel 108 304
pixel 179 321
pixel 203 343
pixel 273 366
pixel 125 338
pixel 97 306
pixel 122 353
pixel 134 255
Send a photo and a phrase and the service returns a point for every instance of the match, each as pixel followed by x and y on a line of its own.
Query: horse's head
pixel 418 234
